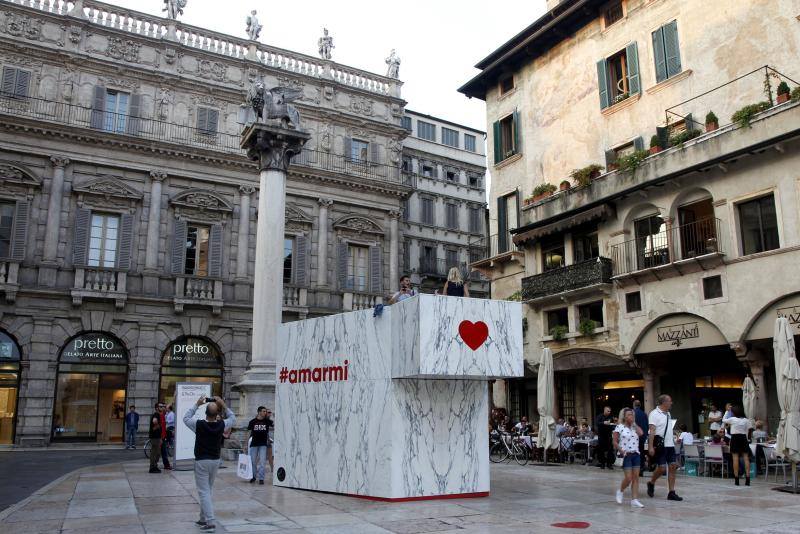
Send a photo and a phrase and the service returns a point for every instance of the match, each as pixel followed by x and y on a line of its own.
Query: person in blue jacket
pixel 131 426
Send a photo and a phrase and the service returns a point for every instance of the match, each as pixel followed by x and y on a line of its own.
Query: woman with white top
pixel 626 442
pixel 739 427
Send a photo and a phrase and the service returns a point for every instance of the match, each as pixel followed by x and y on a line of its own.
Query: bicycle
pixel 148 446
pixel 505 446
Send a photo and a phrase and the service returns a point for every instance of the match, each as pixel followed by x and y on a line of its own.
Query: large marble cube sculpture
pixel 393 407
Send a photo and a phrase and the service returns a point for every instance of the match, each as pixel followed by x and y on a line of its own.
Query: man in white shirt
pixel 659 422
pixel 715 419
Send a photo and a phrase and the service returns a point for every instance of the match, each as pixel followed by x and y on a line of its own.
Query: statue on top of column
pixel 253 27
pixel 393 62
pixel 325 44
pixel 174 8
pixel 273 105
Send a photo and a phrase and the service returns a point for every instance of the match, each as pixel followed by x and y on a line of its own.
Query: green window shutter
pixel 502 225
pixel 98 107
pixel 20 235
pixel 602 83
pixel 80 242
pixel 672 48
pixel 663 136
pixel 632 51
pixel 215 251
pixel 498 157
pixel 125 242
pixel 517 133
pixel 179 247
pixel 659 55
pixel 638 143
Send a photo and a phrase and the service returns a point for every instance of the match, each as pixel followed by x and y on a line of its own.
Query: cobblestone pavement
pixel 125 498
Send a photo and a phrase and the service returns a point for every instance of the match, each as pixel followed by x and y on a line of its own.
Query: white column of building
pixel 154 220
pixel 394 250
pixel 54 209
pixel 322 242
pixel 243 241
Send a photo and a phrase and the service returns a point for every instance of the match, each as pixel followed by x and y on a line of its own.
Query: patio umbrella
pixel 749 398
pixel 787 380
pixel 546 397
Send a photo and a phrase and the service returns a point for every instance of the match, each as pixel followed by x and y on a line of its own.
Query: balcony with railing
pixel 675 251
pixel 496 252
pixel 9 279
pixel 100 284
pixel 295 298
pixel 353 300
pixel 571 281
pixel 198 291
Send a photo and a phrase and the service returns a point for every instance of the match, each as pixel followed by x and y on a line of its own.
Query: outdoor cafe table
pixel 589 443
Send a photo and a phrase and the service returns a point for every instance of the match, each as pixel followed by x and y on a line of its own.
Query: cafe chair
pixel 714 456
pixel 691 454
pixel 774 461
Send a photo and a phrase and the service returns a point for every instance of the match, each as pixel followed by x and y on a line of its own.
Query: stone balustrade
pixel 9 273
pixel 295 297
pixel 198 290
pixel 354 301
pixel 98 283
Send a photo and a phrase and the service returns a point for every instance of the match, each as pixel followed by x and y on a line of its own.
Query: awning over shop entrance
pixel 679 331
pixel 763 326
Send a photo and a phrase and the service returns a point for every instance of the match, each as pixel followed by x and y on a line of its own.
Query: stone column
pixel 322 242
pixel 273 148
pixel 49 266
pixel 394 250
pixel 649 376
pixel 242 243
pixel 154 221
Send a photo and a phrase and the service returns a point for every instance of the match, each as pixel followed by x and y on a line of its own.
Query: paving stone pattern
pixel 125 498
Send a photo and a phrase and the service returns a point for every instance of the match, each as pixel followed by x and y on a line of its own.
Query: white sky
pixel 438 41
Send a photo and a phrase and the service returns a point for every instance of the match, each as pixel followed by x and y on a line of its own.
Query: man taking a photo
pixel 207 445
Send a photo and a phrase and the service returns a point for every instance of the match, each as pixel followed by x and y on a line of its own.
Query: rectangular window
pixel 196 250
pixel 712 287
pixel 116 111
pixel 6 226
pixel 666 51
pixel 508 133
pixel 452 216
pixel 633 302
pixel 359 150
pixel 507 217
pixel 506 85
pixel 474 180
pixel 553 252
pixel 429 171
pixel 288 254
pixel 469 142
pixel 475 220
pixel 613 13
pixel 358 267
pixel 449 137
pixel 585 244
pixel 207 121
pixel 557 317
pixel 428 259
pixel 407 164
pixel 652 247
pixel 452 259
pixel 618 76
pixel 406 123
pixel 16 82
pixel 759 225
pixel 451 175
pixel 592 311
pixel 426 208
pixel 103 240
pixel 426 130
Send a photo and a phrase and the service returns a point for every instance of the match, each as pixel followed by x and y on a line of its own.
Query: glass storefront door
pixel 190 359
pixel 9 387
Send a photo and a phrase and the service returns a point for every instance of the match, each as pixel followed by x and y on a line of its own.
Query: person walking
pixel 259 443
pixel 640 417
pixel 604 427
pixel 164 445
pixel 455 286
pixel 207 446
pixel 740 446
pixel 131 426
pixel 155 437
pixel 661 447
pixel 626 442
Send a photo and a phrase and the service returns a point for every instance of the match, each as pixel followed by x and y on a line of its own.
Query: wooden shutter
pixel 135 111
pixel 632 52
pixel 212 120
pixel 9 80
pixel 341 264
pixel 215 251
pixel 672 48
pixel 375 153
pixel 98 107
pixel 301 261
pixel 20 235
pixel 638 143
pixel 23 83
pixel 611 158
pixel 502 225
pixel 376 269
pixel 517 134
pixel 660 55
pixel 348 148
pixel 80 242
pixel 125 242
pixel 179 247
pixel 498 157
pixel 602 83
pixel 662 132
pixel 202 119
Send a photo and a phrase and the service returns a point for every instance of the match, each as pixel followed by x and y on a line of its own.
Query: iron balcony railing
pixel 493 246
pixel 674 243
pixel 569 278
pixel 186 136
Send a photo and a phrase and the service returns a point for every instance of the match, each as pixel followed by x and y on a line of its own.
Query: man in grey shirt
pixel 207 445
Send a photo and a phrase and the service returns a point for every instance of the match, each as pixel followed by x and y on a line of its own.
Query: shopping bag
pixel 618 461
pixel 244 467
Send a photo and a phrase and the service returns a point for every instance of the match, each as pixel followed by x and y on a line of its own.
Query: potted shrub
pixel 744 116
pixel 563 186
pixel 686 135
pixel 558 332
pixel 654 146
pixel 543 191
pixel 587 327
pixel 796 94
pixel 712 122
pixel 783 92
pixel 584 176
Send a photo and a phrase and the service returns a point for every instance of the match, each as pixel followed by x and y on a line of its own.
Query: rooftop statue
pixel 174 8
pixel 325 44
pixel 253 27
pixel 393 62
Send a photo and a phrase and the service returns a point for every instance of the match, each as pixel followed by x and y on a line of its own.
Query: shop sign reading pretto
pixel 94 348
pixel 191 352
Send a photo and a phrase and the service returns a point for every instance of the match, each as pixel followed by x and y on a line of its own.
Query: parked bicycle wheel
pixel 147 446
pixel 520 453
pixel 498 453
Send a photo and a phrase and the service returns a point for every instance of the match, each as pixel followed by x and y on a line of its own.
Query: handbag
pixel 619 461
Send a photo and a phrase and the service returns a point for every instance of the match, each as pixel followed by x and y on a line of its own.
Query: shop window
pixel 358 267
pixel 190 359
pixel 9 387
pixel 558 317
pixel 592 311
pixel 288 253
pixel 552 253
pixel 585 244
pixel 712 287
pixel 196 263
pixel 758 224
pixel 103 240
pixel 633 302
pixel 6 227
pixel 613 13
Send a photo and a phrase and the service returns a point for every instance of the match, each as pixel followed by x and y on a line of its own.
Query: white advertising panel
pixel 186 394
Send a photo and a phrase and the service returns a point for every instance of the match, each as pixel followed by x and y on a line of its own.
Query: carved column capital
pixel 395 214
pixel 247 190
pixel 325 202
pixel 273 147
pixel 59 161
pixel 158 176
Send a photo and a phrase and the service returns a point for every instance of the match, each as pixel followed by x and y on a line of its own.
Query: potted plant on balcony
pixel 583 177
pixel 744 116
pixel 655 147
pixel 796 94
pixel 558 332
pixel 543 191
pixel 712 122
pixel 563 186
pixel 587 327
pixel 783 92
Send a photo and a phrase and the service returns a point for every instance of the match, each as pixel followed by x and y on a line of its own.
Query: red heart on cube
pixel 473 334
